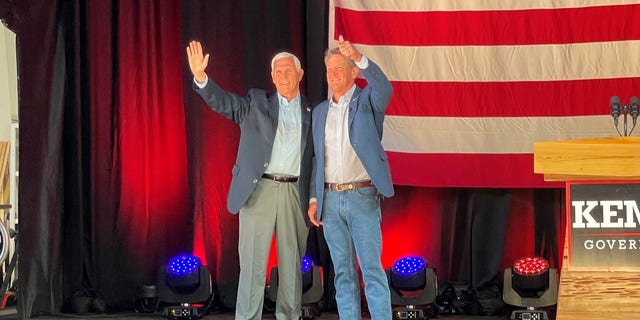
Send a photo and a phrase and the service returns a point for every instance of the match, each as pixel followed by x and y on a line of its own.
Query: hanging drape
pixel 103 149
pixel 122 166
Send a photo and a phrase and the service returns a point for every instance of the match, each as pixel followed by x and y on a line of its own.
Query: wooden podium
pixel 593 294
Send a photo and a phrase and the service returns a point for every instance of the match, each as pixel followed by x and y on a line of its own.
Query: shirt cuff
pixel 201 85
pixel 363 63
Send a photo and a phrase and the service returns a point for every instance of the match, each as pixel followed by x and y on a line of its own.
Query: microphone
pixel 633 105
pixel 634 109
pixel 615 109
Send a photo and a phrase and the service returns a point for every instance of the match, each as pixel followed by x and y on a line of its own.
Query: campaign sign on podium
pixel 600 275
pixel 604 225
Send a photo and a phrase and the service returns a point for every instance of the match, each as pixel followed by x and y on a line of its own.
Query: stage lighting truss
pixel 531 284
pixel 312 288
pixel 413 287
pixel 184 284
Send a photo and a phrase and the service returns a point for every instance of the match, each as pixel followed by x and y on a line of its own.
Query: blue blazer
pixel 366 117
pixel 257 115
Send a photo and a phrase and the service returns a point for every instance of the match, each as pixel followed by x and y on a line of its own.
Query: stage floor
pixel 11 314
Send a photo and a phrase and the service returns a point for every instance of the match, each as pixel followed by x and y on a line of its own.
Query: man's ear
pixel 355 71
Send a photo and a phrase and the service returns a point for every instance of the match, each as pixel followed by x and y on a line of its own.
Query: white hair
pixel 284 55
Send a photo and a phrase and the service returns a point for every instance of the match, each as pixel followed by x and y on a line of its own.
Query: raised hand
pixel 347 49
pixel 197 61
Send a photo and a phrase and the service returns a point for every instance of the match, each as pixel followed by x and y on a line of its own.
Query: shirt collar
pixel 284 103
pixel 345 97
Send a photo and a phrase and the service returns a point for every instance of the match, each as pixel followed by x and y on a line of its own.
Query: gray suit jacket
pixel 366 117
pixel 257 115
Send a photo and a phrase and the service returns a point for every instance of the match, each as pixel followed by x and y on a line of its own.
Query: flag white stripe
pixel 522 62
pixel 596 60
pixel 460 5
pixel 490 135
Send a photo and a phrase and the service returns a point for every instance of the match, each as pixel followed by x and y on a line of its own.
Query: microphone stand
pixel 625 110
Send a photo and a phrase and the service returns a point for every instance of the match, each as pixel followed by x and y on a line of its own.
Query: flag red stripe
pixel 466 170
pixel 491 67
pixel 510 27
pixel 508 99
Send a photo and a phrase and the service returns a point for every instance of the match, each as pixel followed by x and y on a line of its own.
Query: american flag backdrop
pixel 476 83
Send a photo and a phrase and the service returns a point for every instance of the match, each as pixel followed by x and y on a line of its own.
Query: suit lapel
pixel 320 121
pixel 305 116
pixel 353 105
pixel 274 112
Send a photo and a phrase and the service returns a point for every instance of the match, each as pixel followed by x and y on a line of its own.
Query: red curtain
pixel 150 132
pixel 123 166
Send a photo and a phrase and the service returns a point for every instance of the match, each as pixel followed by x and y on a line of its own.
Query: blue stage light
pixel 409 265
pixel 183 264
pixel 408 273
pixel 183 273
pixel 413 286
pixel 312 288
pixel 183 283
pixel 307 264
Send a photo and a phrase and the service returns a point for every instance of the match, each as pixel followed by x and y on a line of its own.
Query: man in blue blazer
pixel 351 173
pixel 270 179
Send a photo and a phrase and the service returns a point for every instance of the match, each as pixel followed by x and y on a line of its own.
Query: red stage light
pixel 530 266
pixel 531 284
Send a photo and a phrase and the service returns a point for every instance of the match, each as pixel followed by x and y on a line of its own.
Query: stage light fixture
pixel 531 284
pixel 184 284
pixel 312 288
pixel 413 287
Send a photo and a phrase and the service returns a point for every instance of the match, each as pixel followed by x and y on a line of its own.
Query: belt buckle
pixel 344 186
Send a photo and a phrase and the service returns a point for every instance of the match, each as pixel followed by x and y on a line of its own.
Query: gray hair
pixel 336 50
pixel 284 55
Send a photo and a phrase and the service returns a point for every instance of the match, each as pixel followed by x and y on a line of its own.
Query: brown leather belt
pixel 348 185
pixel 280 178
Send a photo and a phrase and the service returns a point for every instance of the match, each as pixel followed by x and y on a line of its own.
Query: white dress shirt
pixel 341 162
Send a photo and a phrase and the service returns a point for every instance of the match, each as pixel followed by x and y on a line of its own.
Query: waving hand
pixel 197 61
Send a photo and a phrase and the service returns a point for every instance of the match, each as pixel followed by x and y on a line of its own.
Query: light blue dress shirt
pixel 285 156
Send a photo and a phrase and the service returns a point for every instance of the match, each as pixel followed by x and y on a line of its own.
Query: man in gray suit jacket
pixel 350 176
pixel 270 179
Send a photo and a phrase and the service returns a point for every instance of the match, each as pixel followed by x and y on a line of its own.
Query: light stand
pixel 413 285
pixel 312 289
pixel 531 284
pixel 184 284
pixel 183 311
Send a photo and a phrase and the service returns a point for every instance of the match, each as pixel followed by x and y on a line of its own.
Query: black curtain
pixel 73 235
pixel 47 104
pixel 77 230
